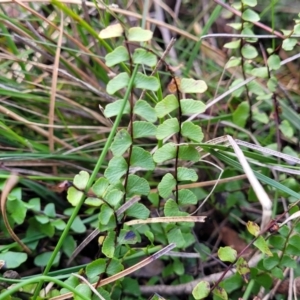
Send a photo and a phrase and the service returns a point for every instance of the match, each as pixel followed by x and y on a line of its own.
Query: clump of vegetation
pixel 180 157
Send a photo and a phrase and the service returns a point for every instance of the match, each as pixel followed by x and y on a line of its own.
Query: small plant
pixel 141 191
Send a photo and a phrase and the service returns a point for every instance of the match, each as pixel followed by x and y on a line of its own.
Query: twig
pixel 10 183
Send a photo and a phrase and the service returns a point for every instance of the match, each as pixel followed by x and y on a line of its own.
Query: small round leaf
pixel 227 254
pixel 201 290
pixel 81 180
pixel 138 34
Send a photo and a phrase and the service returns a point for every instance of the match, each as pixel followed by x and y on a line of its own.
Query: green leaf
pixel 137 186
pixel 105 214
pixel 286 129
pixel 41 260
pixel 250 15
pixel 292 250
pixel 138 34
pixel 251 3
pixel 272 84
pixel 171 209
pixel 227 254
pixel 114 267
pixel 237 93
pixel 253 228
pixel 47 229
pixel 178 267
pixel 262 245
pixel 264 280
pixel 192 131
pixel 13 259
pixel 232 283
pixel 101 184
pixel 220 293
pixel 175 236
pixel 108 246
pixel 17 209
pixel 59 224
pixel 248 31
pixel 186 174
pixel 127 236
pixel 16 193
pixel 114 197
pixel 289 44
pixel 111 31
pixel 81 180
pixel 166 152
pixel 96 268
pixel 94 202
pixel 190 85
pixel 186 197
pixel 295 241
pixel 256 88
pixel 278 273
pixel 111 225
pixel 233 62
pixel 78 226
pixel 74 196
pixel 166 185
pixel 117 83
pixel 167 128
pixel 145 110
pixel 274 62
pixel 42 219
pixel 83 289
pixel 138 211
pixel 241 114
pixel 277 241
pixel 249 51
pixel 188 152
pixel 166 105
pixel 131 287
pixel 114 108
pixel 142 56
pixel 259 116
pixel 118 55
pixel 201 290
pixel 261 72
pixel 243 269
pixel 233 45
pixel 271 262
pixel 297 28
pixel 116 168
pixel 141 158
pixel 143 129
pixel 288 262
pixel 121 143
pixel 35 204
pixel 236 26
pixel 144 82
pixel 49 210
pixel 191 106
pixel 69 245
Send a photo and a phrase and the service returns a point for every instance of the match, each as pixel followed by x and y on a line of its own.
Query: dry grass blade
pixel 53 88
pixel 90 285
pixel 167 220
pixel 262 196
pixel 9 185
